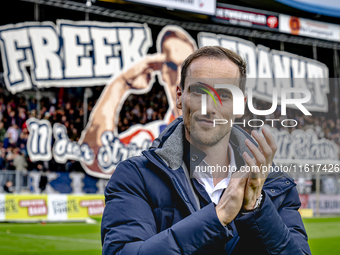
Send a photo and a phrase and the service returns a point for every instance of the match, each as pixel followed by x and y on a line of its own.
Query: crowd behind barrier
pixel 67 110
pixel 16 109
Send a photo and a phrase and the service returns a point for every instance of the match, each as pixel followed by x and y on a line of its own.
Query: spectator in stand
pixel 2 106
pixel 8 142
pixel 74 134
pixel 19 161
pixel 32 105
pixel 43 176
pixel 14 131
pixel 21 116
pixel 2 158
pixel 8 187
pixel 22 141
pixel 12 119
pixel 149 113
pixel 2 132
pixel 9 159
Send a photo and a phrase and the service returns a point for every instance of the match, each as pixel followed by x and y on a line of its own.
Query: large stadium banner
pixel 88 53
pixel 69 53
pixel 50 207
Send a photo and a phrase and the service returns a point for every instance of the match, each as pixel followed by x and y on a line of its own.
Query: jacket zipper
pixel 174 181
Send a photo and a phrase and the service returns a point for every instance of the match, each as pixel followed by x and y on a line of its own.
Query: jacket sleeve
pixel 129 227
pixel 275 231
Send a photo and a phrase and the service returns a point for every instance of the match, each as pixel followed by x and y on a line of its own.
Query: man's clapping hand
pixel 245 186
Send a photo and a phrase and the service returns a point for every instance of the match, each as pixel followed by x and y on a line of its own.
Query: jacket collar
pixel 172 147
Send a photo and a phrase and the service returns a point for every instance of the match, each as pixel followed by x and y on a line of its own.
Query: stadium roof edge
pixel 215 28
pixel 318 9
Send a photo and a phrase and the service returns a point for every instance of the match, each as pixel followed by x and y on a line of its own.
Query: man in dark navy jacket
pixel 165 202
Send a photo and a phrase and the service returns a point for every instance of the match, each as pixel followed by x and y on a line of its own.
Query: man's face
pixel 200 127
pixel 176 51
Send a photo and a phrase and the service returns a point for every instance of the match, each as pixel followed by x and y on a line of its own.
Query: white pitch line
pixel 59 238
pixel 320 224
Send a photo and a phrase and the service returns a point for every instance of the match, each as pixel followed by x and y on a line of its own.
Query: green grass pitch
pixel 84 239
pixel 50 239
pixel 323 235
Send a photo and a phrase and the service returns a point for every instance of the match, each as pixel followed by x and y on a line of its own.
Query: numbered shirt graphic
pixel 39 141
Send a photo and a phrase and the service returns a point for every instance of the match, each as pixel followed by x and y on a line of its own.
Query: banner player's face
pixel 176 51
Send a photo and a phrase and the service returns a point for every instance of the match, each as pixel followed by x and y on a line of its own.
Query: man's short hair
pixel 216 52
